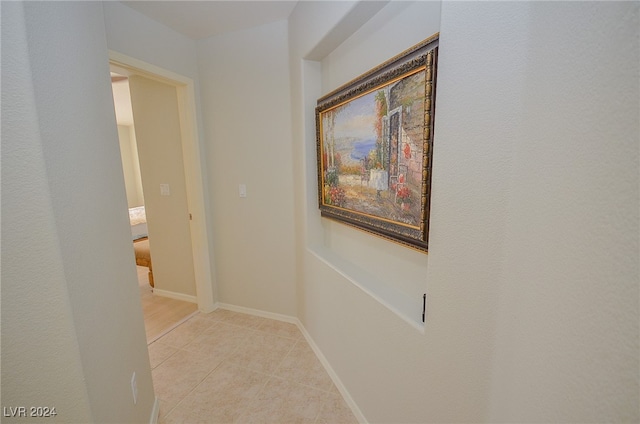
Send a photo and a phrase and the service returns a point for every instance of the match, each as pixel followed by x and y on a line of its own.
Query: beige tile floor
pixel 160 313
pixel 229 367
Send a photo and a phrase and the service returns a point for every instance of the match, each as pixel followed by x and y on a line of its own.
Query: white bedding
pixel 138 219
pixel 137 215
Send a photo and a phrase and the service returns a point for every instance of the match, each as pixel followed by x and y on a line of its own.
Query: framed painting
pixel 375 148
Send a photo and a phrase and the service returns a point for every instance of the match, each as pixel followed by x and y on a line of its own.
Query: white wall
pixel 130 166
pixel 34 289
pixel 247 121
pixel 532 274
pixel 567 320
pixel 135 35
pixel 71 316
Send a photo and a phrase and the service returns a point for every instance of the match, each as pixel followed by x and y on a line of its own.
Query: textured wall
pixel 567 321
pixel 80 314
pixel 131 33
pixel 247 122
pixel 40 356
pixel 533 262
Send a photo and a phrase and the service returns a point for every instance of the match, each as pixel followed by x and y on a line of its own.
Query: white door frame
pixel 191 153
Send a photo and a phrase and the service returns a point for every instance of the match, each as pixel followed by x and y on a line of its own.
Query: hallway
pixel 226 366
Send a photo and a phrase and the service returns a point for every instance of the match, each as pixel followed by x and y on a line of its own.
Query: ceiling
pixel 202 19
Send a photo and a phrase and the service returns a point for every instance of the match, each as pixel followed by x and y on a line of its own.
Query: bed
pixel 140 237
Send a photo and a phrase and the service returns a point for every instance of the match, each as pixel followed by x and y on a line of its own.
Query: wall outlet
pixel 164 190
pixel 134 388
pixel 242 190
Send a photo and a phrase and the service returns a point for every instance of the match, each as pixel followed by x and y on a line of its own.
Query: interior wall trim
pixel 257 312
pixel 176 295
pixel 192 153
pixel 155 412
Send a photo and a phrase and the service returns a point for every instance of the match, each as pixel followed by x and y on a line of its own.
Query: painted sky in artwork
pixel 357 118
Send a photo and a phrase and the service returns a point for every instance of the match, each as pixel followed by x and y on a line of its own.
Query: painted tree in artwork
pixel 331 155
pixel 332 161
pixel 329 142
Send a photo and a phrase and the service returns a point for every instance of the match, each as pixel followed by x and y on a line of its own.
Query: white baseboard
pixel 336 380
pixel 155 412
pixel 293 320
pixel 259 313
pixel 174 295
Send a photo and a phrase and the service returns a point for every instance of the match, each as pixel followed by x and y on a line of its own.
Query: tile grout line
pixel 177 349
pixel 225 359
pixel 199 382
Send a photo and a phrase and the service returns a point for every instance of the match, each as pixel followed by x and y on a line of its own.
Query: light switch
pixel 242 189
pixel 164 189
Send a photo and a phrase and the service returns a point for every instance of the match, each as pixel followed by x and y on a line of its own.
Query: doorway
pixel 150 80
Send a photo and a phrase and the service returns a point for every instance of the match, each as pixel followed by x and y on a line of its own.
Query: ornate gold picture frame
pixel 375 148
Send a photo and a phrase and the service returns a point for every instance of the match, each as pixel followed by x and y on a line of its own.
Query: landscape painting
pixel 374 149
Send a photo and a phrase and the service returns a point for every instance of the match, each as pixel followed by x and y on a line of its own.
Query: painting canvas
pixel 374 140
